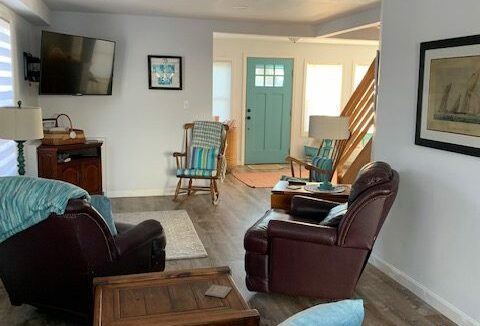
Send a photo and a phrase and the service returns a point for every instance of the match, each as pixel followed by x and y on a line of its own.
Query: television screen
pixel 76 65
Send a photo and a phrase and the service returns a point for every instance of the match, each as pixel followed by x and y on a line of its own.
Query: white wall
pixel 142 127
pixel 237 50
pixel 430 242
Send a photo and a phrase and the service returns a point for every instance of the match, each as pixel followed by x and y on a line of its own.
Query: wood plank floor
pixel 221 229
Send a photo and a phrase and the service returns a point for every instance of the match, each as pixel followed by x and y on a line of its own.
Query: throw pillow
pixel 203 158
pixel 341 313
pixel 335 215
pixel 323 164
pixel 103 206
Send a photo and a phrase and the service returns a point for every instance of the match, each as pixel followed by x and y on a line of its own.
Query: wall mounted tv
pixel 76 65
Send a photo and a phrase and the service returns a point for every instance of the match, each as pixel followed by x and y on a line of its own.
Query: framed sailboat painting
pixel 448 107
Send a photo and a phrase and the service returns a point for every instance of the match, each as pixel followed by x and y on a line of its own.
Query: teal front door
pixel 269 106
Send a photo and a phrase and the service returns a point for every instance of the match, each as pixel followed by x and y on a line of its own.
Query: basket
pixel 56 138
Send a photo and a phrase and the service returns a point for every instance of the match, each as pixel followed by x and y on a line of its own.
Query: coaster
pixel 218 291
pixel 314 189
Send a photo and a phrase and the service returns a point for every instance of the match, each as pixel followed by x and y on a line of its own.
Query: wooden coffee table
pixel 170 298
pixel 281 197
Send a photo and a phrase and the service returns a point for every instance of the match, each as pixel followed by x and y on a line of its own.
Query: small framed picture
pixel 49 123
pixel 164 72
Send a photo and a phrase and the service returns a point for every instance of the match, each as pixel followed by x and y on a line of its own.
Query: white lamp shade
pixel 324 127
pixel 21 123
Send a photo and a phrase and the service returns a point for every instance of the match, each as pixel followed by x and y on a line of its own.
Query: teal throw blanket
pixel 26 201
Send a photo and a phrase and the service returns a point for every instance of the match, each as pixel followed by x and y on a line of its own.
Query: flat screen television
pixel 76 65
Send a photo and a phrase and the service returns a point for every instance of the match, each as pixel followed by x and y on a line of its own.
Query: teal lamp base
pixel 325 186
pixel 20 157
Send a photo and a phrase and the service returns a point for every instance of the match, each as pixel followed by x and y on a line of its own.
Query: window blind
pixel 6 71
pixel 8 152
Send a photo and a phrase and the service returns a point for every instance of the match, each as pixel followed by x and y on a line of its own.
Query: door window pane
pixel 259 81
pixel 278 81
pixel 259 70
pixel 269 70
pixel 323 91
pixel 279 70
pixel 222 89
pixel 269 81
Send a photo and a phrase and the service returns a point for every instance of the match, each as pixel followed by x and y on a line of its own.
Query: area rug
pixel 260 179
pixel 255 167
pixel 182 239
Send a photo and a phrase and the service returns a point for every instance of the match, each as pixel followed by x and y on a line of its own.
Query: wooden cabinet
pixel 79 164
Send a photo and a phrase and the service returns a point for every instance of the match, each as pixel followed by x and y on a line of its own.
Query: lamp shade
pixel 21 123
pixel 324 127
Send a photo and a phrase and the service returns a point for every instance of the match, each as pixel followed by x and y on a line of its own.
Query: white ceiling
pixel 301 11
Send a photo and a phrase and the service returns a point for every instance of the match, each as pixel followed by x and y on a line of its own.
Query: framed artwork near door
pixel 448 107
pixel 164 72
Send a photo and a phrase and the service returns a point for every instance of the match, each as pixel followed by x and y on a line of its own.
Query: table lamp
pixel 328 129
pixel 21 124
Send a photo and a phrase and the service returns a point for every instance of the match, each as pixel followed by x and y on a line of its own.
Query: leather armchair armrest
pixel 123 227
pixel 137 236
pixel 304 232
pixel 311 208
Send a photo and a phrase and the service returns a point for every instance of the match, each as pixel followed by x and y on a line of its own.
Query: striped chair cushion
pixel 324 164
pixel 196 173
pixel 203 158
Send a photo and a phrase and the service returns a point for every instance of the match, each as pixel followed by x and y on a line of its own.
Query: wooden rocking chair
pixel 210 166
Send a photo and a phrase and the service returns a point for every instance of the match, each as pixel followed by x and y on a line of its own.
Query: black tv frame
pixel 72 35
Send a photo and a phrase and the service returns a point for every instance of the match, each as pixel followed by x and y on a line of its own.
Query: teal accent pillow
pixel 324 164
pixel 341 313
pixel 204 158
pixel 103 205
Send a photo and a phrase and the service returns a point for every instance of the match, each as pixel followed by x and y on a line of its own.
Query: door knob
pixel 248 118
pixel 249 110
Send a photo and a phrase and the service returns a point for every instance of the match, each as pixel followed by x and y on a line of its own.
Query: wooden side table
pixel 78 164
pixel 170 298
pixel 281 197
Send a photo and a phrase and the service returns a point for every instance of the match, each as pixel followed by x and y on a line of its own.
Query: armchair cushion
pixel 341 313
pixel 301 231
pixel 204 158
pixel 311 208
pixel 103 205
pixel 138 236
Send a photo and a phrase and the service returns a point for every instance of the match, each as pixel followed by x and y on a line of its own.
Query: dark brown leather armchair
pixel 52 264
pixel 295 254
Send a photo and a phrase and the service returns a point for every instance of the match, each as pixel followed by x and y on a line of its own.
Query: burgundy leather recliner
pixel 293 254
pixel 52 264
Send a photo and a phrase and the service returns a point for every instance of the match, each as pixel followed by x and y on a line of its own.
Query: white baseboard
pixel 139 193
pixel 427 295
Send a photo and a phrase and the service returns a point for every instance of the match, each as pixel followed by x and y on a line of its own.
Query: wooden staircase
pixel 361 110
